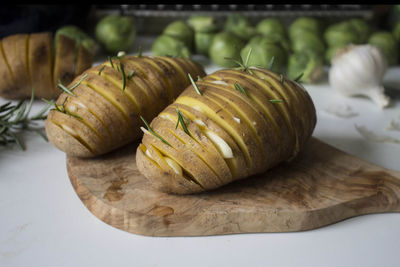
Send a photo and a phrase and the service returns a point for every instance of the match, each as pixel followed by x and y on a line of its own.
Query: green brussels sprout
pixel 308 64
pixel 341 34
pixel 80 37
pixel 386 42
pixel 202 42
pixel 396 31
pixel 362 28
pixel 181 30
pixel 273 38
pixel 202 23
pixel 240 26
pixel 166 45
pixel 116 33
pixel 262 52
pixel 307 40
pixel 225 45
pixel 269 26
pixel 303 24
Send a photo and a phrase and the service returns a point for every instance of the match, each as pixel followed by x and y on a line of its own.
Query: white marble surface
pixel 43 222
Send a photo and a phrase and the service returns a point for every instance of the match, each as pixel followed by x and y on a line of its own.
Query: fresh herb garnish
pixel 14 119
pixel 298 78
pixel 121 68
pixel 61 108
pixel 110 59
pixel 153 132
pixel 240 88
pixel 276 100
pixel 101 69
pixel 182 120
pixel 69 90
pixel 242 66
pixel 271 62
pixel 194 84
pixel 130 75
pixel 140 52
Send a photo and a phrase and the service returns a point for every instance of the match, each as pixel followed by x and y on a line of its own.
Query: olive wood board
pixel 321 186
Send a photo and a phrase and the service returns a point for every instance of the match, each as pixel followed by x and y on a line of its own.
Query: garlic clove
pixel 378 96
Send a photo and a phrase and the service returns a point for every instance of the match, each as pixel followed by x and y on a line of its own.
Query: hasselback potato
pixel 103 112
pixel 30 61
pixel 227 126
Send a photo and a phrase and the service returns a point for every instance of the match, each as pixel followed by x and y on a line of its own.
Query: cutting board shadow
pixel 323 185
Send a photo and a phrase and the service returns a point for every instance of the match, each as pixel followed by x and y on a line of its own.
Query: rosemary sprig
pixel 298 78
pixel 182 120
pixel 140 52
pixel 194 84
pixel 153 132
pixel 121 67
pixel 271 62
pixel 111 62
pixel 14 119
pixel 101 69
pixel 130 75
pixel 242 65
pixel 61 108
pixel 240 88
pixel 69 90
pixel 276 100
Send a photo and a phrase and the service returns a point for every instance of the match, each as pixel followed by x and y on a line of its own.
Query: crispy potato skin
pixel 30 62
pixel 261 133
pixel 104 112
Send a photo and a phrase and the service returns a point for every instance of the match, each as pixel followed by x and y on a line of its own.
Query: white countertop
pixel 44 223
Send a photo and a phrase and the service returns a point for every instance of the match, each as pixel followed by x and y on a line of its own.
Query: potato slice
pixel 84 60
pixel 40 63
pixel 8 88
pixel 64 62
pixel 15 50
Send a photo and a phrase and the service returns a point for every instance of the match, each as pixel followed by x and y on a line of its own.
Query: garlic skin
pixel 359 70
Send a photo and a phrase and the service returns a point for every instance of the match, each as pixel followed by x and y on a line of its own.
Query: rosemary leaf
pixel 130 75
pixel 298 78
pixel 276 100
pixel 153 132
pixel 79 82
pixel 111 63
pixel 194 84
pixel 101 69
pixel 121 67
pixel 181 120
pixel 140 52
pixel 240 88
pixel 271 63
pixel 65 89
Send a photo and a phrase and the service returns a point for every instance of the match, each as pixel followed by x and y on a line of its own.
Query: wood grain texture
pixel 321 186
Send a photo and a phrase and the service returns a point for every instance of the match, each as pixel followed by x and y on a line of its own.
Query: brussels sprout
pixel 202 42
pixel 362 28
pixel 269 26
pixel 80 37
pixel 341 34
pixel 202 23
pixel 166 45
pixel 307 40
pixel 240 26
pixel 386 42
pixel 262 52
pixel 116 33
pixel 181 30
pixel 305 24
pixel 273 38
pixel 225 45
pixel 308 63
pixel 396 31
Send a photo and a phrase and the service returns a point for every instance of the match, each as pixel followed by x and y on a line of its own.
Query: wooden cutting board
pixel 321 186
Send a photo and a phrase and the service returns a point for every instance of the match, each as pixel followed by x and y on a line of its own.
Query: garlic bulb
pixel 359 70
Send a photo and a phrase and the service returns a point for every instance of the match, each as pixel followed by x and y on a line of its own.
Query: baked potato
pixel 103 110
pixel 229 125
pixel 28 61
